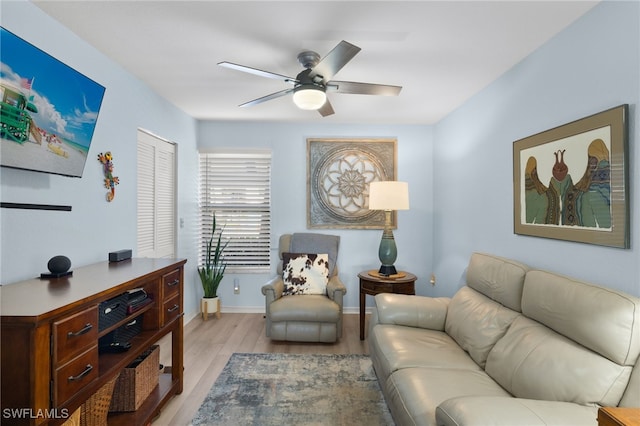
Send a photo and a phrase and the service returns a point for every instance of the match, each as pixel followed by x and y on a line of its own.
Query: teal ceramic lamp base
pixel 388 252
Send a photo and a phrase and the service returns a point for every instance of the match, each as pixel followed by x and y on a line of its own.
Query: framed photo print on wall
pixel 571 182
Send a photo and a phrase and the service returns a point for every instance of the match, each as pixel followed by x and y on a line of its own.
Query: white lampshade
pixel 389 195
pixel 309 97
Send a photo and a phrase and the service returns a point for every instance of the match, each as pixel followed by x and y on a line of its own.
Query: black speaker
pixel 58 267
pixel 120 255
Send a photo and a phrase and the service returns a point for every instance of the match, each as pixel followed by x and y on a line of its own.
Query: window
pixel 236 186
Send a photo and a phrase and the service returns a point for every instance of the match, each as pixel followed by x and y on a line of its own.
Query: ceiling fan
pixel 310 86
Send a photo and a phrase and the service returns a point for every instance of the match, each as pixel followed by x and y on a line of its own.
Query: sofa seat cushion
pixel 532 361
pixel 413 394
pixel 304 331
pixel 476 322
pixel 395 347
pixel 309 307
pixel 500 411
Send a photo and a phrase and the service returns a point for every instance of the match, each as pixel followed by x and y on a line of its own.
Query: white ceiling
pixel 441 52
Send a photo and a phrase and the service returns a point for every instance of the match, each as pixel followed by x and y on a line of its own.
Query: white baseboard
pixel 189 317
pixel 260 310
pixel 243 309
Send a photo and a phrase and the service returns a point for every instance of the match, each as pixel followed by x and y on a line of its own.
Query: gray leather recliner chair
pixel 309 317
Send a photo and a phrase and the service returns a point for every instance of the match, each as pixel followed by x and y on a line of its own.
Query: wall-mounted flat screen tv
pixel 48 110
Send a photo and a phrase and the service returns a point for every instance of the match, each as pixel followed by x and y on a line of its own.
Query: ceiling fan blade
pixel 363 88
pixel 267 98
pixel 326 109
pixel 257 72
pixel 335 60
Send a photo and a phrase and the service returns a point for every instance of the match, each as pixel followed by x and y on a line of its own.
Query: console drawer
pixel 172 308
pixel 74 334
pixel 74 375
pixel 170 284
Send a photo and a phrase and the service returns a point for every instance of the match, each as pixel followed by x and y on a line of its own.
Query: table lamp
pixel 388 196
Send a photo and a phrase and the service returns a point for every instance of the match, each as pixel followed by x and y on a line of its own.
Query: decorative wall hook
pixel 110 181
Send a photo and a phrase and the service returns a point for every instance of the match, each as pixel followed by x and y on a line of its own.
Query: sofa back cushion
pixel 476 322
pixel 534 362
pixel 604 320
pixel 576 342
pixel 497 278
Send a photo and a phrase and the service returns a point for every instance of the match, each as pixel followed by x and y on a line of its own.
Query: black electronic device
pixel 115 347
pixel 137 299
pixel 120 255
pixel 58 267
pixel 119 339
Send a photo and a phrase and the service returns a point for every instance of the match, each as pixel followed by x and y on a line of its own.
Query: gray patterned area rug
pixel 292 389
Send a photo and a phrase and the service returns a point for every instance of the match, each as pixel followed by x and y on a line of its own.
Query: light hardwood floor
pixel 209 344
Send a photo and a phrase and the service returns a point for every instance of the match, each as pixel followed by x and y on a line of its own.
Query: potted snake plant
pixel 211 273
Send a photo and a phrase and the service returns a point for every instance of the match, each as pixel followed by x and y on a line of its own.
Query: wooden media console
pixel 49 334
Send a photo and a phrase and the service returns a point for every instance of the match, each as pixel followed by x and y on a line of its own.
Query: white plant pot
pixel 210 305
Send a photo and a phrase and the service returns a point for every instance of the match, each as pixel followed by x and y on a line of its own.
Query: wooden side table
pixel 372 283
pixel 618 416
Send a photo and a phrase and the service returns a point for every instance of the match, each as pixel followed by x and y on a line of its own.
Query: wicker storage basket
pixel 95 409
pixel 74 419
pixel 136 383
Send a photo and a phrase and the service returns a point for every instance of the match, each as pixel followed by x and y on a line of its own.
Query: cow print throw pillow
pixel 305 273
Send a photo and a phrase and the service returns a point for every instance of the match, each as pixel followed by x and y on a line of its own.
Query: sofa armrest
pixel 273 289
pixel 505 411
pixel 412 311
pixel 336 289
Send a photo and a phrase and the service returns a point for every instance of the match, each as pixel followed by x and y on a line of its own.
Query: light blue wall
pixel 358 248
pixel 93 227
pixel 590 67
pixel 459 171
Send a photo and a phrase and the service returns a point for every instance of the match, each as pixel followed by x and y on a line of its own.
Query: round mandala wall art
pixel 338 175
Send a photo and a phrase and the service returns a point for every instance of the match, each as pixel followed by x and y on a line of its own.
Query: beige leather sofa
pixel 514 346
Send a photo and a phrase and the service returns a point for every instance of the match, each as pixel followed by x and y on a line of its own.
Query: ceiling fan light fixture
pixel 309 97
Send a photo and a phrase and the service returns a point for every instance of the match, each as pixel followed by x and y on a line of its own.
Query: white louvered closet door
pixel 156 196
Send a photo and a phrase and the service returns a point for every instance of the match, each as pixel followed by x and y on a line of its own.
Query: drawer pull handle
pixel 111 308
pixel 174 282
pixel 84 330
pixel 80 376
pixel 132 323
pixel 173 308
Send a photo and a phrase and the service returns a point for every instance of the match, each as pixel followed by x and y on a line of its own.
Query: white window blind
pixel 156 197
pixel 236 186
